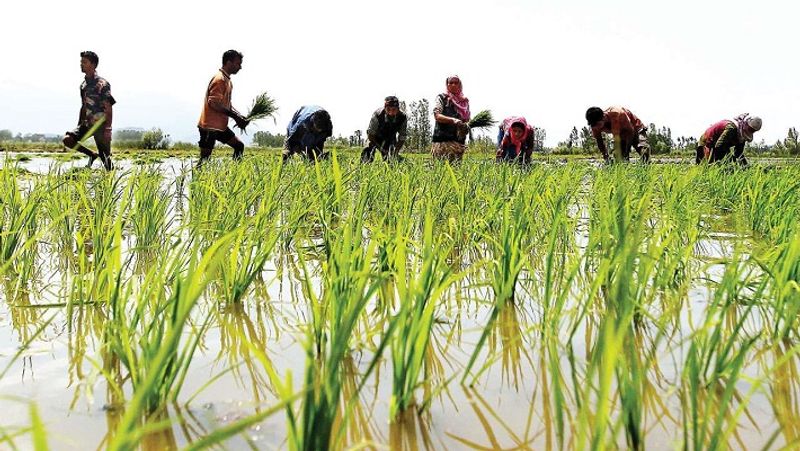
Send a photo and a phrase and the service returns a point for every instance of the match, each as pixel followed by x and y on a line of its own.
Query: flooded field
pixel 414 306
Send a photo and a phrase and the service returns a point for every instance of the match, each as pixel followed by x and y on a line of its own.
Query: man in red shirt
pixel 627 129
pixel 217 108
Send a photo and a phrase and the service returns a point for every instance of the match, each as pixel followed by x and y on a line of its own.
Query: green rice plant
pixel 149 216
pixel 419 286
pixel 715 360
pixel 348 285
pixel 18 214
pixel 253 244
pixel 154 352
pixel 509 259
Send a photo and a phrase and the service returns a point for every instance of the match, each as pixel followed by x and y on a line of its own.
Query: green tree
pixel 419 125
pixel 791 142
pixel 128 134
pixel 267 139
pixel 155 139
pixel 6 135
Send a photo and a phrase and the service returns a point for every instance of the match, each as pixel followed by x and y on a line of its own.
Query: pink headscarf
pixel 508 137
pixel 456 95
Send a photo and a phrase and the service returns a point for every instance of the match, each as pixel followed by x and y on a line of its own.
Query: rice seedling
pixel 263 107
pixel 481 120
pixel 153 352
pixel 419 285
pixel 613 306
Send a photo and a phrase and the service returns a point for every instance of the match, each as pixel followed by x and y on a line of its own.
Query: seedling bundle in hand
pixel 482 120
pixel 263 106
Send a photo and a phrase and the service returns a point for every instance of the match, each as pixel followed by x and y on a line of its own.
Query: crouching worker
pixel 716 143
pixel 387 132
pixel 515 141
pixel 627 129
pixel 307 131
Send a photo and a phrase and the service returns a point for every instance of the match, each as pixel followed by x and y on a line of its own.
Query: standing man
pixel 307 131
pixel 95 116
pixel 387 131
pixel 627 129
pixel 213 124
pixel 716 143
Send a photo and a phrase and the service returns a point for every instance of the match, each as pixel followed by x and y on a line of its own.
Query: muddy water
pixel 508 408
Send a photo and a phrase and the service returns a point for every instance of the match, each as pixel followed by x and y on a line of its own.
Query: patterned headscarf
pixel 508 137
pixel 456 95
pixel 745 131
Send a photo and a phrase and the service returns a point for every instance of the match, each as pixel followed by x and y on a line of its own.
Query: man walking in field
pixel 627 129
pixel 387 132
pixel 95 116
pixel 217 108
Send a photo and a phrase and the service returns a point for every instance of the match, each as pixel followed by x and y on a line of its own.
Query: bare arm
pixel 601 144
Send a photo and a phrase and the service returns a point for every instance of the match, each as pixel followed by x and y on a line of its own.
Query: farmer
pixel 452 115
pixel 213 124
pixel 627 129
pixel 307 131
pixel 95 115
pixel 716 143
pixel 387 131
pixel 515 140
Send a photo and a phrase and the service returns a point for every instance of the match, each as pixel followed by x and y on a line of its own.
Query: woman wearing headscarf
pixel 716 143
pixel 452 115
pixel 515 140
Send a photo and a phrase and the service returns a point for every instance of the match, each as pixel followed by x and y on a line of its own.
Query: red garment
pixel 713 133
pixel 508 137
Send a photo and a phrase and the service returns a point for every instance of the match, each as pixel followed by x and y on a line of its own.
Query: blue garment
pixel 300 133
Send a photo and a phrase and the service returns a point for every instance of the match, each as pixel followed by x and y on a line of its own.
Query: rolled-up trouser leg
pixel 103 150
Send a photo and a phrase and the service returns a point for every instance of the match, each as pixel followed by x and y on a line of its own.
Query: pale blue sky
pixel 682 63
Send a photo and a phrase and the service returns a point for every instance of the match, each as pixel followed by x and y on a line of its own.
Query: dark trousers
pixel 310 153
pixel 388 149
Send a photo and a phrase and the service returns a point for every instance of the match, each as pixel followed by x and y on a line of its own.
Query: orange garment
pixel 219 92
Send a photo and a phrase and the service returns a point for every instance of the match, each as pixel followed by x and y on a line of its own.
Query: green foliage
pixel 155 139
pixel 266 139
pixel 419 126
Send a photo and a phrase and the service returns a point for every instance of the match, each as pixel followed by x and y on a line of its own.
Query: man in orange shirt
pixel 213 124
pixel 627 129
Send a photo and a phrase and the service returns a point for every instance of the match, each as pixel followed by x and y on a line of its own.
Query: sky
pixel 684 64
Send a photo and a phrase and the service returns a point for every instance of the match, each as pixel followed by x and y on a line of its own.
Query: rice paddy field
pixel 257 305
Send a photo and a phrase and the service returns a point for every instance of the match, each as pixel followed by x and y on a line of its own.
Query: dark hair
pixel 322 121
pixel 594 115
pixel 518 125
pixel 391 101
pixel 231 55
pixel 91 56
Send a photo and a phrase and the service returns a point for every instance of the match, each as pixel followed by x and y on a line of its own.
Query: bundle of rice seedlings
pixel 481 120
pixel 263 106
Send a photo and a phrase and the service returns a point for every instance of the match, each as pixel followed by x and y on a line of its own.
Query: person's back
pixel 307 131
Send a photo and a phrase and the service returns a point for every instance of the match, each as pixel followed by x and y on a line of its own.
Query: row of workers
pixel 311 125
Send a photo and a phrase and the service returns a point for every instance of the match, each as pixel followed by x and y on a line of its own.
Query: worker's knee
pixel 69 141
